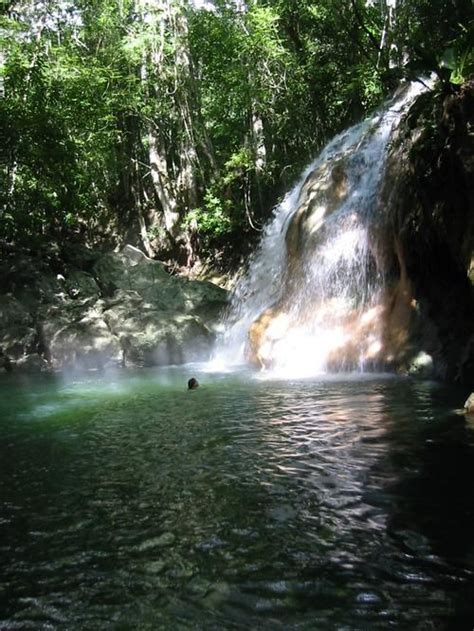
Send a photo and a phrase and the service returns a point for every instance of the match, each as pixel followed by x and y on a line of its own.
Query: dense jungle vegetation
pixel 176 125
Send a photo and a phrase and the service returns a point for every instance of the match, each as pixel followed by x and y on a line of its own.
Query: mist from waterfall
pixel 321 312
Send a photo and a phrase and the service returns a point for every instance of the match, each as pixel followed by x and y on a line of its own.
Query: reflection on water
pixel 129 502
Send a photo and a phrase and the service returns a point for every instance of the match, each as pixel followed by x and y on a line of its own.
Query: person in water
pixel 193 384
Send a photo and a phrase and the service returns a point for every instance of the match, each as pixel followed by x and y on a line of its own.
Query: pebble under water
pixel 127 501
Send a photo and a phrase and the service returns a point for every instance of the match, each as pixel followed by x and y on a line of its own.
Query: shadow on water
pixel 129 502
pixel 432 515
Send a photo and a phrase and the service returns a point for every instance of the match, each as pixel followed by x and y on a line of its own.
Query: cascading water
pixel 311 301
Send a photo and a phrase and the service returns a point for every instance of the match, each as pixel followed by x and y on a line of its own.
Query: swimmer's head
pixel 193 384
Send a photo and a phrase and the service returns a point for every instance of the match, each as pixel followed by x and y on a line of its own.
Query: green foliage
pixel 238 101
pixel 212 221
pixel 436 37
pixel 460 63
pixel 240 162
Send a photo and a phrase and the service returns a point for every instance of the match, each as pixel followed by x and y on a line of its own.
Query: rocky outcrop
pixel 123 308
pixel 420 252
pixel 428 205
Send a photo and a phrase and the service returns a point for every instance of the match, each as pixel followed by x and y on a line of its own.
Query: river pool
pixel 128 502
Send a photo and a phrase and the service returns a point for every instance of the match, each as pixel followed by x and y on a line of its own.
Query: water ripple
pixel 245 504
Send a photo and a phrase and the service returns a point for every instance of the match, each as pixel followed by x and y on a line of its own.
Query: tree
pixel 176 127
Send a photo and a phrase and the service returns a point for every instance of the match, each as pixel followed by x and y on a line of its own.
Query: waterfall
pixel 312 298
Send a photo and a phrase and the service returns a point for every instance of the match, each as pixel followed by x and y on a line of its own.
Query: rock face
pixel 429 231
pixel 469 405
pixel 123 309
pixel 421 251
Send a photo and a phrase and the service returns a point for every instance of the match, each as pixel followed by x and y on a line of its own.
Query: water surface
pixel 128 502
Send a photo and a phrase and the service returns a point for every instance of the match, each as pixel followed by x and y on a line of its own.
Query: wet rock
pixel 261 339
pixel 422 366
pixel 5 362
pixel 32 364
pixel 428 199
pixel 18 341
pixel 17 333
pixel 13 313
pixel 469 404
pixel 421 244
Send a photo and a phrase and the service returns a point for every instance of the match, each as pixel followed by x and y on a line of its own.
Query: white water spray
pixel 324 306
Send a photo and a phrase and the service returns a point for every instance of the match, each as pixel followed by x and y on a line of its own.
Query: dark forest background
pixel 177 126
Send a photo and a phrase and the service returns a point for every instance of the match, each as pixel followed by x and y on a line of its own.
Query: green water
pixel 128 502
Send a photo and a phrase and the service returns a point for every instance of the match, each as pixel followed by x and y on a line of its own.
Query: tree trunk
pixel 162 183
pixel 184 93
pixel 258 143
pixel 386 41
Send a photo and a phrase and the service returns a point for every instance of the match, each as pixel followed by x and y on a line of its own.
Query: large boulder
pixel 201 298
pixel 158 318
pixel 17 330
pixel 154 336
pixel 124 307
pixel 121 270
pixel 131 270
pixel 79 337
